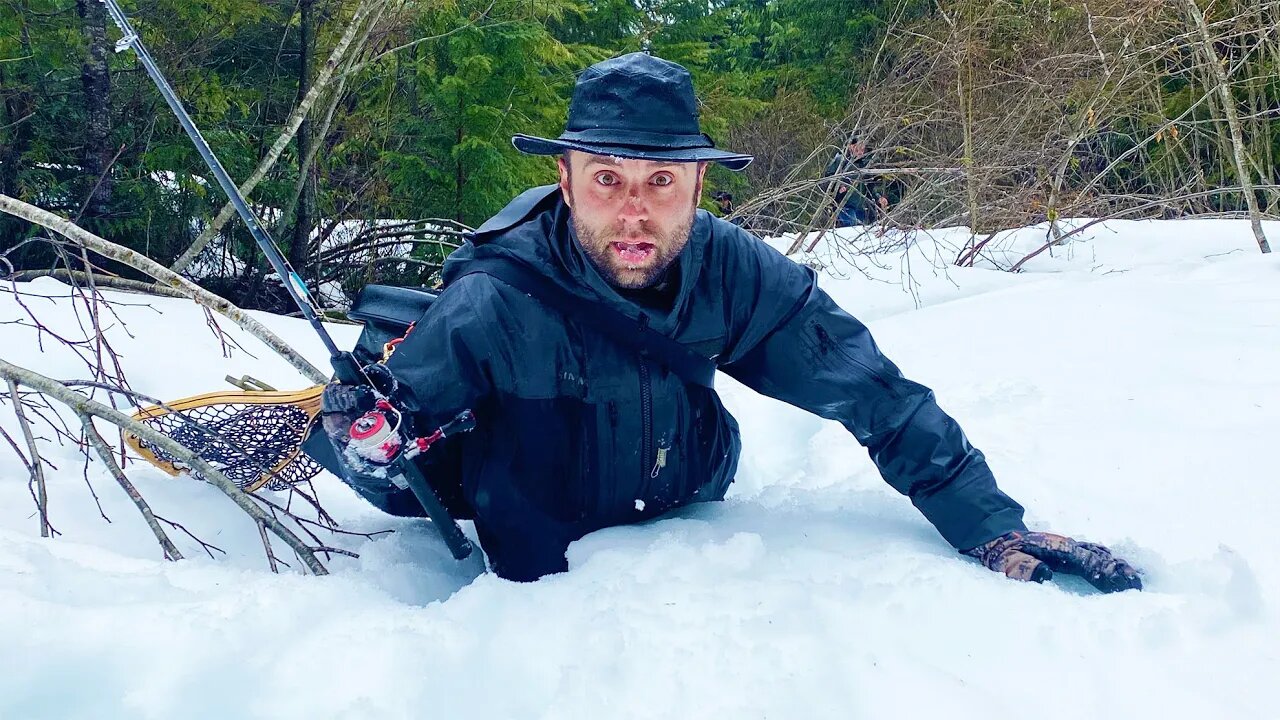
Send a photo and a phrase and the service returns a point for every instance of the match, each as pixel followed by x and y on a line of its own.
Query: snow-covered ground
pixel 1127 391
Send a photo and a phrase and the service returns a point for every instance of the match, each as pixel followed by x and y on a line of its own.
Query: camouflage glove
pixel 341 405
pixel 1036 556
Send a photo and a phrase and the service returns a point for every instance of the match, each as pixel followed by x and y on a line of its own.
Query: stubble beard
pixel 596 243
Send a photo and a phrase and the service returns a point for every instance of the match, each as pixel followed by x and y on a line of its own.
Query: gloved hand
pixel 1035 556
pixel 341 405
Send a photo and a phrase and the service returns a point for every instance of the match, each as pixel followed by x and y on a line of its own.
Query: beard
pixel 597 242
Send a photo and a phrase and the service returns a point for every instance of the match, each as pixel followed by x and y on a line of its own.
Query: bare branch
pixel 104 453
pixel 36 465
pixel 144 264
pixel 83 405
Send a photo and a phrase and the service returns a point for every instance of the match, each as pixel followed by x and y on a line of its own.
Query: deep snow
pixel 1125 391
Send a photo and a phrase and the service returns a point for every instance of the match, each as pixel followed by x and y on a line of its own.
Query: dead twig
pixel 99 446
pixel 266 544
pixel 207 547
pixel 36 466
pixel 81 404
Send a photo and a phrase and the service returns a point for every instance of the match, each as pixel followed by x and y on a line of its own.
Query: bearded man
pixel 580 428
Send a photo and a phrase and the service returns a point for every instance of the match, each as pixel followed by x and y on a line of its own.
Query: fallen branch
pixel 107 281
pixel 104 453
pixel 84 406
pixel 36 466
pixel 164 276
pixel 1122 213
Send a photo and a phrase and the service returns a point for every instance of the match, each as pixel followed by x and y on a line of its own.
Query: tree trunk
pixel 95 77
pixel 1213 65
pixel 15 138
pixel 411 91
pixel 459 177
pixel 304 217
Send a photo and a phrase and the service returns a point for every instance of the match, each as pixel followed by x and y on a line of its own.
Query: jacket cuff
pixel 991 527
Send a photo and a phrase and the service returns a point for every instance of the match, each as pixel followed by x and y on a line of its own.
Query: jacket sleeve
pixel 442 368
pixel 443 363
pixel 795 344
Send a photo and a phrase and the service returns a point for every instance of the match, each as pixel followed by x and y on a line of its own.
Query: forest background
pixel 362 129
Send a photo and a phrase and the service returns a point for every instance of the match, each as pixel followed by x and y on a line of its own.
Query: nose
pixel 634 208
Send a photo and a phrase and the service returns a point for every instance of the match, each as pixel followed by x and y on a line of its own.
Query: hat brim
pixel 544 146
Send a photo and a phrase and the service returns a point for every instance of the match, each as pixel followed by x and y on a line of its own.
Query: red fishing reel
pixel 375 436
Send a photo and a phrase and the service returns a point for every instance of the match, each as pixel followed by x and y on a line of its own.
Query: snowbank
pixel 1124 390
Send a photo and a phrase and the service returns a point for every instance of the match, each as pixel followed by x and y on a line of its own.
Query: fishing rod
pixel 346 368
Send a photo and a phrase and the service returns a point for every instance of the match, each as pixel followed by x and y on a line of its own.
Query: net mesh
pixel 255 444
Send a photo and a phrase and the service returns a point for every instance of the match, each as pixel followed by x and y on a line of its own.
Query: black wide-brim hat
pixel 634 106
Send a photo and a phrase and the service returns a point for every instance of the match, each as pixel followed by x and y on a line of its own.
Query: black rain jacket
pixel 576 433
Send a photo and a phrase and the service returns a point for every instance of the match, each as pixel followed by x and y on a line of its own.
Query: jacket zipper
pixel 660 461
pixel 646 415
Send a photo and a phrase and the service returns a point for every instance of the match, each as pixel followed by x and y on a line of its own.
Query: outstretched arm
pixel 797 345
pixel 819 358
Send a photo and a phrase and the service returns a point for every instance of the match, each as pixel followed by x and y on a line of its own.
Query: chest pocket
pixel 709 348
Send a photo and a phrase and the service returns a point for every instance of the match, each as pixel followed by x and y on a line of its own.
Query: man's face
pixel 632 217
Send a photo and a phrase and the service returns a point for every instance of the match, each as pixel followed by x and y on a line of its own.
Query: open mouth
pixel 633 253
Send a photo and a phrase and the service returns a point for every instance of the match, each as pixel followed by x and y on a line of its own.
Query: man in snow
pixel 579 431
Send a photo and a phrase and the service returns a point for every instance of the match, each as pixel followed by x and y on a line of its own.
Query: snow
pixel 1124 389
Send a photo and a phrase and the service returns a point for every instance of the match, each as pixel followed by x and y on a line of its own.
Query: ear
pixel 697 190
pixel 562 164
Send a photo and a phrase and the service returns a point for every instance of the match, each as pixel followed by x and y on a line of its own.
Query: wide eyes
pixel 609 179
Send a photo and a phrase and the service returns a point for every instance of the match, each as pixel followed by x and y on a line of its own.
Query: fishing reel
pixel 376 436
pixel 367 428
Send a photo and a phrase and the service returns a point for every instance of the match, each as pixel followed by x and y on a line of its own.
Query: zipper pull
pixel 659 463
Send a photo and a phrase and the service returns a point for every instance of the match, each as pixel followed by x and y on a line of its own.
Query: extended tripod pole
pixel 346 368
